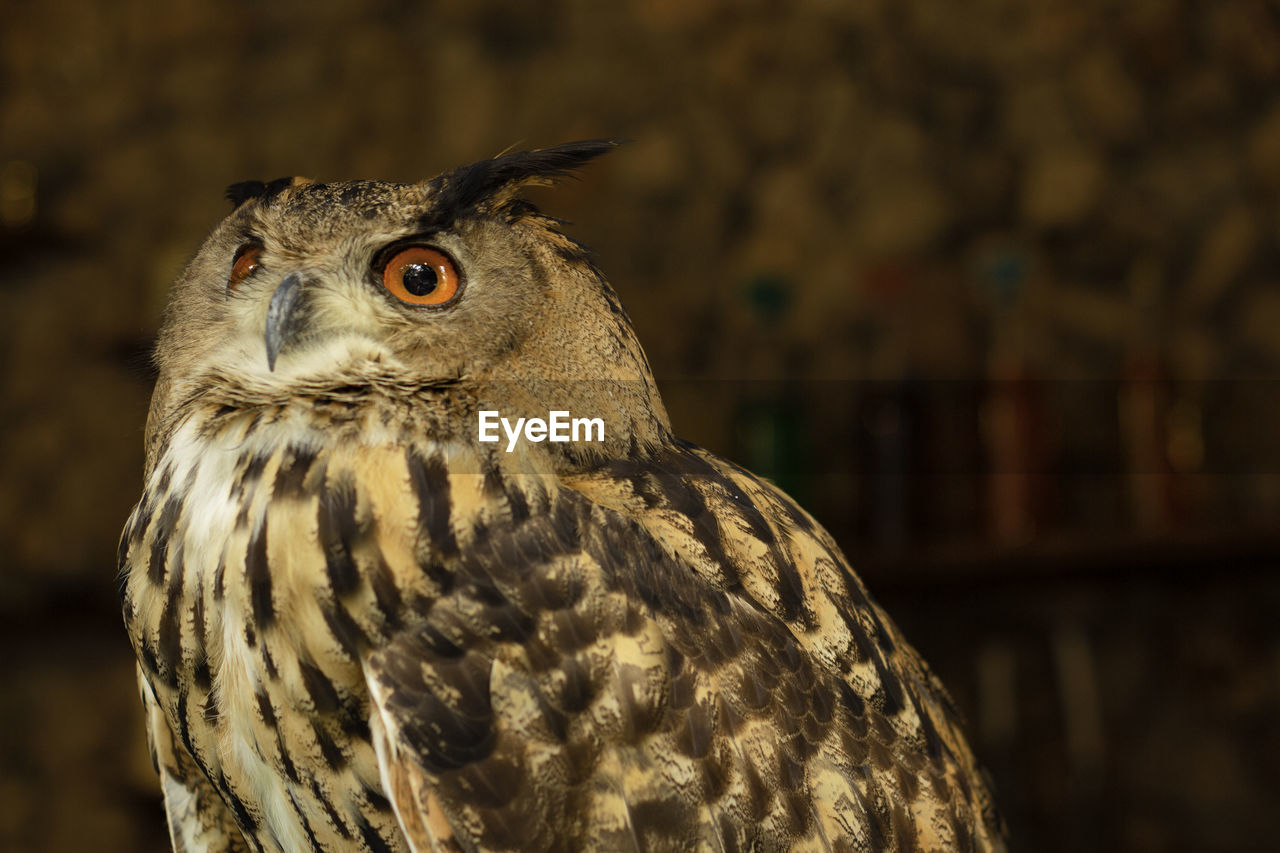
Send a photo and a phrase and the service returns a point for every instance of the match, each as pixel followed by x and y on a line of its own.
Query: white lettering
pixel 512 434
pixel 488 426
pixel 559 426
pixel 587 424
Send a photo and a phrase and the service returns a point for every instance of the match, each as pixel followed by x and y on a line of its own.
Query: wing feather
pixel 199 822
pixel 668 656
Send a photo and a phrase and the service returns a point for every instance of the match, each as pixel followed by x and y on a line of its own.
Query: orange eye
pixel 421 276
pixel 248 260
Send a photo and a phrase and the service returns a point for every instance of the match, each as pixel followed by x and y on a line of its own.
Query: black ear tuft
pixel 467 188
pixel 241 192
pixel 244 191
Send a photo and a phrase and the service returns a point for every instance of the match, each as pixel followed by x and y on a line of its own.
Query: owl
pixel 420 565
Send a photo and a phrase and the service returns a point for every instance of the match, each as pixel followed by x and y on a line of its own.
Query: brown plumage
pixel 359 627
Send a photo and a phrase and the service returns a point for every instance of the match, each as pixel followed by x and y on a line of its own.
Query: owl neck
pixel 557 426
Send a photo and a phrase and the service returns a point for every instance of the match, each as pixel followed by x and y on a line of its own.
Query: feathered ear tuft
pixel 491 184
pixel 244 191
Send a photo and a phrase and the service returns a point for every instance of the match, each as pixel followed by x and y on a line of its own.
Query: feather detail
pixel 492 185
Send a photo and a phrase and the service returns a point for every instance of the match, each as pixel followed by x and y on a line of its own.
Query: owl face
pixel 300 288
pixel 451 281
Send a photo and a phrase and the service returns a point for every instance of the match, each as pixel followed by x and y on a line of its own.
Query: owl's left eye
pixel 420 275
pixel 247 261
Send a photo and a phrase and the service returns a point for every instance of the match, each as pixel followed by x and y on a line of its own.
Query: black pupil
pixel 420 279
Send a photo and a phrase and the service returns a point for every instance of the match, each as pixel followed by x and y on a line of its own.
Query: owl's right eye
pixel 247 261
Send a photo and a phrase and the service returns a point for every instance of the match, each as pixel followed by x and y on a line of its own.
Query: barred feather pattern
pixel 354 637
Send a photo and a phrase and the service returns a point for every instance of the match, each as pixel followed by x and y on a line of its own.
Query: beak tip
pixel 282 317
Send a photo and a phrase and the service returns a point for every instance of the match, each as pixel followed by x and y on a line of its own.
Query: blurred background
pixel 990 287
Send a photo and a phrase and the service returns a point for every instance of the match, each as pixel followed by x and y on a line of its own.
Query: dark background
pixel 991 287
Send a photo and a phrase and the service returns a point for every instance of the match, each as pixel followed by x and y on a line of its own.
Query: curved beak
pixel 285 316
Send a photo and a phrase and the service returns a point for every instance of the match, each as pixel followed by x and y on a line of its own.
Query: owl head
pixel 456 284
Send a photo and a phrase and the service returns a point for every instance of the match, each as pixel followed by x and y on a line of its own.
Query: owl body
pixel 361 628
